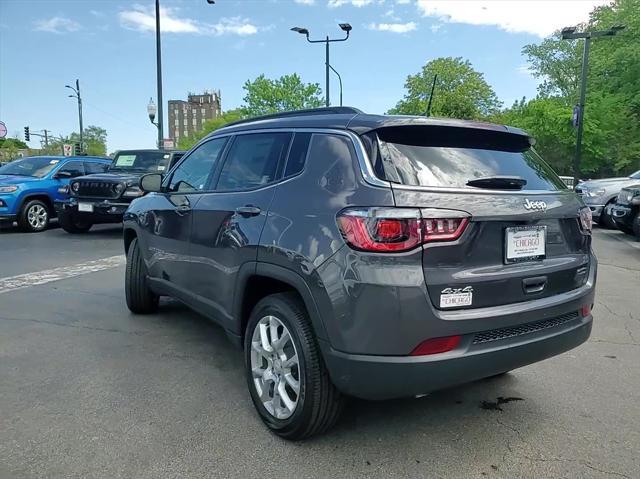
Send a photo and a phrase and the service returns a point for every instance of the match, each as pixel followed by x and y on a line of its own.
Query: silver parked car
pixel 600 196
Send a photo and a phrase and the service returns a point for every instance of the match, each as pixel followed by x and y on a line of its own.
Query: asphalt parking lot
pixel 89 390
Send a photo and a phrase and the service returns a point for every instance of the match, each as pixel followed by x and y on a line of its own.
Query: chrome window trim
pixel 363 159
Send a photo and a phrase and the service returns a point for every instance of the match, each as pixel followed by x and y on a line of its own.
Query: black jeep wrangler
pixel 626 212
pixel 104 197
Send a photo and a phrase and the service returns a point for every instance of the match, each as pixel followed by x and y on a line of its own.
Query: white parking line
pixel 620 237
pixel 27 280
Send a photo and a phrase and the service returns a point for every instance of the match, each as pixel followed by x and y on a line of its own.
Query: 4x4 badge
pixel 535 205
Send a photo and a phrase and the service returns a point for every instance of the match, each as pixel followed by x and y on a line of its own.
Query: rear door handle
pixel 534 285
pixel 248 211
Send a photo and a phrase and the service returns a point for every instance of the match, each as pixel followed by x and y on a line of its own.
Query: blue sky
pixel 109 45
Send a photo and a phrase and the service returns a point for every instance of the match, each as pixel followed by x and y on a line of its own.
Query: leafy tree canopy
pixel 460 91
pixel 264 96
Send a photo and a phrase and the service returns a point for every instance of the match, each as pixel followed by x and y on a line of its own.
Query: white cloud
pixel 524 69
pixel 526 16
pixel 393 27
pixel 143 19
pixel 305 2
pixel 403 2
pixel 57 25
pixel 355 3
pixel 234 26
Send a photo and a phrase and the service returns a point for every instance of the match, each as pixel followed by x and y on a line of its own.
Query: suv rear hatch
pixel 526 236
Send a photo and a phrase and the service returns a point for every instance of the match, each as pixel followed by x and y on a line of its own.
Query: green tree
pixel 186 143
pixel 460 91
pixel 611 142
pixel 264 96
pixel 94 138
pixel 9 148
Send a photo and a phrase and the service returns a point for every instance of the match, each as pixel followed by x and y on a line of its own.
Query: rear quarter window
pixel 451 157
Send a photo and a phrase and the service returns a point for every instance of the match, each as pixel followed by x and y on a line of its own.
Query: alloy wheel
pixel 37 216
pixel 275 367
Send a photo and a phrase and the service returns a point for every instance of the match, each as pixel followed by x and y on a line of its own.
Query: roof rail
pixel 330 110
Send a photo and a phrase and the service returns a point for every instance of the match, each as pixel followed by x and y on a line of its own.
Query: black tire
pixel 319 403
pixel 73 225
pixel 26 221
pixel 140 299
pixel 606 220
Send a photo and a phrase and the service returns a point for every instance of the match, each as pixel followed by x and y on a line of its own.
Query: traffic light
pixel 27 136
pixel 77 151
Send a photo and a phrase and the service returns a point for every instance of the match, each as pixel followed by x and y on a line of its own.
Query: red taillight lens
pixel 369 233
pixel 586 220
pixel 585 311
pixel 436 345
pixel 443 229
pixel 395 229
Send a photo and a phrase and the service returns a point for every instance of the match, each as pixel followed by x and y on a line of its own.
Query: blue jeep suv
pixel 30 186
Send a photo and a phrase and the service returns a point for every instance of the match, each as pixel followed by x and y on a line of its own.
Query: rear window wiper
pixel 498 182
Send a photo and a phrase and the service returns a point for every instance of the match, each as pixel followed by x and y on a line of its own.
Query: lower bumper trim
pixel 389 377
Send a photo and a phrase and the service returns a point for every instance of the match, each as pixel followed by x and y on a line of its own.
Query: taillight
pixel 586 220
pixel 436 346
pixel 585 311
pixel 396 229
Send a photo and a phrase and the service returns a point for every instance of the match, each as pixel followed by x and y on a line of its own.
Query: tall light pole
pixel 159 77
pixel 339 80
pixel 76 94
pixel 569 33
pixel 345 27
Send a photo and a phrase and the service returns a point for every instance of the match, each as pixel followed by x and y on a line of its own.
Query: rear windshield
pixel 450 157
pixel 145 161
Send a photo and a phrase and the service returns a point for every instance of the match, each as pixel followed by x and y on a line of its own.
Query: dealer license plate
pixel 525 243
pixel 85 207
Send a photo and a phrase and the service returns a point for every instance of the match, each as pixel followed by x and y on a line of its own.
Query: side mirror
pixel 62 174
pixel 151 183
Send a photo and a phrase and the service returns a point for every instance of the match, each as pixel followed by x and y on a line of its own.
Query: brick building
pixel 187 117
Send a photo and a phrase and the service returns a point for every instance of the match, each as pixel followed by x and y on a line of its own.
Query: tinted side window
pixel 253 160
pixel 193 173
pixel 94 167
pixel 73 167
pixel 297 154
pixel 338 159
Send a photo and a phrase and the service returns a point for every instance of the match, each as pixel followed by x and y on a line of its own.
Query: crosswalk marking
pixel 27 280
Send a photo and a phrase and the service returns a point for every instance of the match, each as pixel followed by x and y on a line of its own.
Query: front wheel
pixel 606 219
pixel 287 378
pixel 73 225
pixel 34 216
pixel 140 298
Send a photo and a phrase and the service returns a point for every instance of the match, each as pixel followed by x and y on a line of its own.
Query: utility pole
pixel 159 78
pixel 569 33
pixel 345 27
pixel 77 96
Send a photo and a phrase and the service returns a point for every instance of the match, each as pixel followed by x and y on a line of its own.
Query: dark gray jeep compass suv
pixel 364 255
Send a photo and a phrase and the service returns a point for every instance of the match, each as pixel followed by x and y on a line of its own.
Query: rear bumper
pixel 104 211
pixel 388 377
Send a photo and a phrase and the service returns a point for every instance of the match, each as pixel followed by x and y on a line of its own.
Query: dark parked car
pixel 30 186
pixel 626 212
pixel 103 198
pixel 364 255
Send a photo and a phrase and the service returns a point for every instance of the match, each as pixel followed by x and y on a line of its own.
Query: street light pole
pixel 339 80
pixel 345 27
pixel 159 77
pixel 77 96
pixel 569 33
